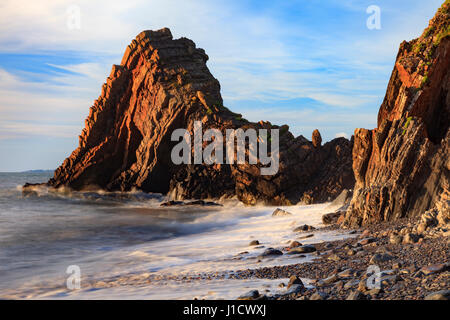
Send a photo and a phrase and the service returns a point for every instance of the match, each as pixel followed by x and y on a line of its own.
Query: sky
pixel 306 63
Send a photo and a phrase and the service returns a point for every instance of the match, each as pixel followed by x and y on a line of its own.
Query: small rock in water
pixel 271 252
pixel 330 218
pixel 254 243
pixel 295 288
pixel 295 244
pixel 306 236
pixel 280 213
pixel 304 227
pixel 328 246
pixel 251 295
pixel 294 280
pixel 302 249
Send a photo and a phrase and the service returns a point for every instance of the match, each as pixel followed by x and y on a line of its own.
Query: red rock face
pixel 162 85
pixel 402 167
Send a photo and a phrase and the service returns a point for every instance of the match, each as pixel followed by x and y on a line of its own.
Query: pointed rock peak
pixel 316 138
pixel 161 34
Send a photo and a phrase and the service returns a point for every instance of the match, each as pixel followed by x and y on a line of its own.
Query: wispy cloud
pixel 265 54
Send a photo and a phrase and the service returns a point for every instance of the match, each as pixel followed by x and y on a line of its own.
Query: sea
pixel 125 245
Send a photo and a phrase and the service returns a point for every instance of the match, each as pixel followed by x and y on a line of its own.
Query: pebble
pixel 439 295
pixel 280 213
pixel 302 249
pixel 304 227
pixel 271 252
pixel 355 295
pixel 334 257
pixel 380 257
pixel 319 296
pixel 435 268
pixel 351 284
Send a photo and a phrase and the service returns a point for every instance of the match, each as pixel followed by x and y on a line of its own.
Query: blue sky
pixel 307 63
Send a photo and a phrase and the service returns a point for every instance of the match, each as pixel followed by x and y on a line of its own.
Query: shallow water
pixel 127 246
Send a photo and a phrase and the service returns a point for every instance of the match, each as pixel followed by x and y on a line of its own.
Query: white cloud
pixel 342 135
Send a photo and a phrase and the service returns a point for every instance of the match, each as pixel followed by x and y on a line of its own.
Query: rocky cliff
pixel 164 84
pixel 402 166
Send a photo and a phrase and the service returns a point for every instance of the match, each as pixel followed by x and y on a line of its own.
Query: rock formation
pixel 316 138
pixel 402 166
pixel 163 84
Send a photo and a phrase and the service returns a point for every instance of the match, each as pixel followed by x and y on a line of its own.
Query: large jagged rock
pixel 402 166
pixel 164 84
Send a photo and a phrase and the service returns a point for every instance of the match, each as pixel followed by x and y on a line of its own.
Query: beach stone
pixel 365 233
pixel 339 284
pixel 254 243
pixel 346 273
pixel 281 213
pixel 250 295
pixel 304 227
pixel 328 245
pixel 366 241
pixel 356 295
pixel 330 279
pixel 294 280
pixel 306 236
pixel 362 286
pixel 302 249
pixel 351 284
pixel 319 296
pixel 295 244
pixel 380 257
pixel 439 295
pixel 374 292
pixel 295 288
pixel 395 239
pixel 271 252
pixel 435 268
pixel 410 238
pixel 332 217
pixel 334 257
